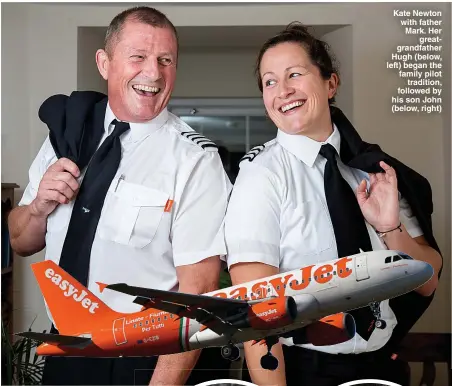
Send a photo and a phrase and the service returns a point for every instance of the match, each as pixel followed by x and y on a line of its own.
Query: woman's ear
pixel 333 83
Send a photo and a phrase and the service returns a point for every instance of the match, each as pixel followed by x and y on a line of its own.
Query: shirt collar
pixel 138 131
pixel 305 148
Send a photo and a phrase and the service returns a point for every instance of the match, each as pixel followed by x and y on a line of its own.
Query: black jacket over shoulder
pixel 415 189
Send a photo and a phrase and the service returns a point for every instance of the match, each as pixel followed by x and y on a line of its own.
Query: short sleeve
pixel 198 227
pixel 408 219
pixel 37 170
pixel 252 225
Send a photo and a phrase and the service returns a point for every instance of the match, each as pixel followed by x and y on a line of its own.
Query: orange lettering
pixel 342 270
pixel 239 292
pixel 259 290
pixel 279 282
pixel 325 271
pixel 306 275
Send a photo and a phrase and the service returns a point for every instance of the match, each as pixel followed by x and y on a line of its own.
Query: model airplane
pixel 312 299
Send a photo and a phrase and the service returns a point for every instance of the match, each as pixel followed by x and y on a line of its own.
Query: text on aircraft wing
pixel 211 303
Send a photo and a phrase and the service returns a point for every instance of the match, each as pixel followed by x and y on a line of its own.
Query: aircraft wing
pixel 208 310
pixel 64 340
pixel 211 303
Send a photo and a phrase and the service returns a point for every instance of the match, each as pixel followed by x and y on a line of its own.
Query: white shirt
pixel 278 215
pixel 137 241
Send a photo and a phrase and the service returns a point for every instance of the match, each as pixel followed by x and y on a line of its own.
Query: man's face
pixel 141 71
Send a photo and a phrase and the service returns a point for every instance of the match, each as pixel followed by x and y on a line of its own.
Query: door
pixel 361 270
pixel 118 331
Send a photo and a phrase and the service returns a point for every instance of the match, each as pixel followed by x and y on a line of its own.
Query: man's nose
pixel 152 69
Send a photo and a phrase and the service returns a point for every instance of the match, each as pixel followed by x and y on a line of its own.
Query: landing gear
pixel 230 352
pixel 268 361
pixel 379 323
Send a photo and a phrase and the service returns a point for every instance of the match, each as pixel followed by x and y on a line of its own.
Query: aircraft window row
pixel 146 323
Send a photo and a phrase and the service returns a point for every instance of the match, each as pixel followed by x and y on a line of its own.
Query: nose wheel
pixel 230 352
pixel 375 308
pixel 269 361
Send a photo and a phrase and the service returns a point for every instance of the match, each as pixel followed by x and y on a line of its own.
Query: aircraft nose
pixel 421 270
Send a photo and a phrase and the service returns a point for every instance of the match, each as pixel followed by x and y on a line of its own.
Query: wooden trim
pixel 9 185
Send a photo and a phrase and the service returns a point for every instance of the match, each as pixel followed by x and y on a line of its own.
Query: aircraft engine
pixel 273 313
pixel 332 329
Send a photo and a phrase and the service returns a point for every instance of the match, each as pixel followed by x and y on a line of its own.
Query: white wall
pixel 39 55
pixel 340 42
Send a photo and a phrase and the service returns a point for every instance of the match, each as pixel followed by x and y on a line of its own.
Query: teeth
pixel 145 88
pixel 291 106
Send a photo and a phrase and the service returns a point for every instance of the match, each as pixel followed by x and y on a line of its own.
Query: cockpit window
pixel 396 258
pixel 388 260
pixel 405 256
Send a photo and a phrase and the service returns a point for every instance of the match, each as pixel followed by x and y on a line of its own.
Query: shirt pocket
pixel 132 214
pixel 313 230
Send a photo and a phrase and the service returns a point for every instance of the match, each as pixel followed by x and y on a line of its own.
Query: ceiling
pixel 226 37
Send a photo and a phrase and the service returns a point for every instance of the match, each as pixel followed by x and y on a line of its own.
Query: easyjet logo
pixel 70 291
pixel 266 313
pixel 296 280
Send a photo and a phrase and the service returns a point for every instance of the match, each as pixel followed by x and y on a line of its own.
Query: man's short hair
pixel 141 14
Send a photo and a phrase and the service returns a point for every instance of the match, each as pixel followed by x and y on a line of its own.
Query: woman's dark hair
pixel 318 51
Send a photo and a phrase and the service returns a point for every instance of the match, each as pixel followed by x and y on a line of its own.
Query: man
pixel 160 218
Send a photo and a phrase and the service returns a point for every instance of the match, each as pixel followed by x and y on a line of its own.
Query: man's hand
pixel 380 206
pixel 196 279
pixel 58 186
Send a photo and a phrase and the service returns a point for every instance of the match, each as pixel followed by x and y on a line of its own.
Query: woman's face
pixel 295 94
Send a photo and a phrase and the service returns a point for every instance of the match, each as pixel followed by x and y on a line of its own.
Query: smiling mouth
pixel 292 106
pixel 146 90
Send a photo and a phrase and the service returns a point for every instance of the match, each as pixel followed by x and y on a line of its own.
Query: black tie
pixel 349 226
pixel 348 222
pixel 75 256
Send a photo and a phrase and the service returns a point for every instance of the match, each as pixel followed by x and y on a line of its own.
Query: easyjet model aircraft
pixel 312 299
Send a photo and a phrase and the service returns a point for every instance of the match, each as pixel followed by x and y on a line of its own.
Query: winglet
pixel 102 286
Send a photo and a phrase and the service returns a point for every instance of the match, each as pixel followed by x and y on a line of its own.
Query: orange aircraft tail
pixel 72 305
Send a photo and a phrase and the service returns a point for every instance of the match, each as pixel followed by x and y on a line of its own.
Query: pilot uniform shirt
pixel 165 208
pixel 278 215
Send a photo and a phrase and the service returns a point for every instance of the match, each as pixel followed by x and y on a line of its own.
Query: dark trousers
pixel 127 370
pixel 308 368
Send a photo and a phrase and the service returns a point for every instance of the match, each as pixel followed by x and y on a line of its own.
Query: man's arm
pixel 28 223
pixel 202 277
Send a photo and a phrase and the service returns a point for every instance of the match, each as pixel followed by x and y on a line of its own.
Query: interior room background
pixel 50 48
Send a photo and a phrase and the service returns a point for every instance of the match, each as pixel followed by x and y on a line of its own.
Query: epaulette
pixel 199 140
pixel 252 153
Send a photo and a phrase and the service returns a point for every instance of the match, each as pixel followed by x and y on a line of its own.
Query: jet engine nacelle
pixel 332 329
pixel 274 313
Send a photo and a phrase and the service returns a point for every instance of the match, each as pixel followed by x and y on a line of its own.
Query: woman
pixel 282 213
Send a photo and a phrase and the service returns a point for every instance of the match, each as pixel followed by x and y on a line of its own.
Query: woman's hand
pixel 380 205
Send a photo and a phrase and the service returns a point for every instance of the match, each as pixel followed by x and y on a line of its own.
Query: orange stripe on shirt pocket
pixel 169 205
